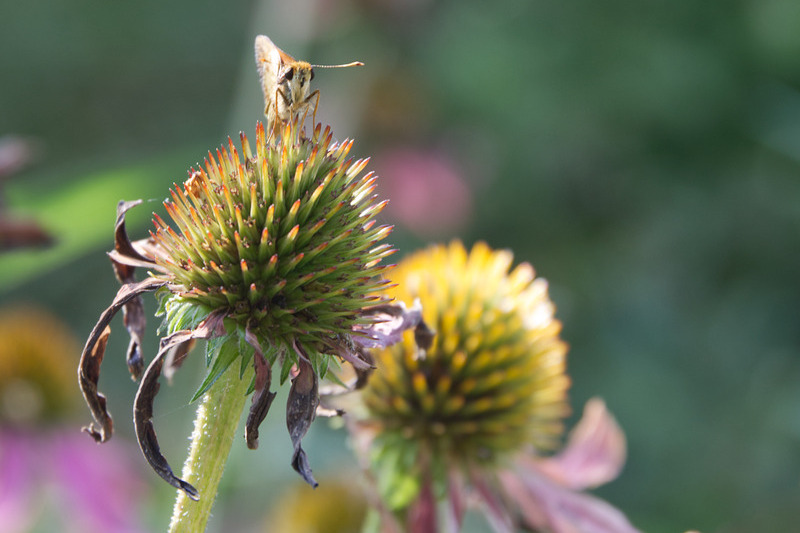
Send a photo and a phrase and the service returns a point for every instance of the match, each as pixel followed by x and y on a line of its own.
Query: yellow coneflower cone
pixel 37 376
pixel 493 383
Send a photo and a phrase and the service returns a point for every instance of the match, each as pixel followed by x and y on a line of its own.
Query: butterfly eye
pixel 289 74
pixel 312 74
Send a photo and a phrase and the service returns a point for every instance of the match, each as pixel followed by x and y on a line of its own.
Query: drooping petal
pixel 262 396
pixel 594 454
pixel 389 321
pixel 94 351
pixel 300 410
pixel 89 375
pixel 133 311
pixel 122 244
pixel 346 347
pixel 546 505
pixel 145 396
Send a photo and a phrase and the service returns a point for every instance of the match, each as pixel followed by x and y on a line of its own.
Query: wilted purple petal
pixel 389 321
pixel 18 461
pixel 594 454
pixel 345 347
pixel 301 407
pixel 546 505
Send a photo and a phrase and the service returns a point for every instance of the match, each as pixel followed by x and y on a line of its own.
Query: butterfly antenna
pixel 353 64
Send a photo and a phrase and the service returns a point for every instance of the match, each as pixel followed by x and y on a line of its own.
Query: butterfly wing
pixel 268 64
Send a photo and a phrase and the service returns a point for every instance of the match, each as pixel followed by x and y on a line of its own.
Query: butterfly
pixel 286 82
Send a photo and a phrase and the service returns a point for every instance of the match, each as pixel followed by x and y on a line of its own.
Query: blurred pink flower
pixel 51 477
pixel 59 478
pixel 429 196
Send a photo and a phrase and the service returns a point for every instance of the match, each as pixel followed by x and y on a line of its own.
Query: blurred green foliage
pixel 644 156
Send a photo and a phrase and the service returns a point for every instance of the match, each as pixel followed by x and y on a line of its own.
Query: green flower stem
pixel 214 429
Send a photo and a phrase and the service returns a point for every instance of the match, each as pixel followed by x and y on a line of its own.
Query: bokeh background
pixel 643 156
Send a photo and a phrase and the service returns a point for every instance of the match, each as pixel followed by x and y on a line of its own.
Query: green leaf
pixel 246 351
pixel 227 354
pixel 396 472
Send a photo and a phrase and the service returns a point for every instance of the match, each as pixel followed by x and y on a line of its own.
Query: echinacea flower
pixel 467 415
pixel 48 477
pixel 429 194
pixel 274 260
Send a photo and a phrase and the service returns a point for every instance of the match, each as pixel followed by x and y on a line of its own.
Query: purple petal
pixel 549 506
pixel 496 511
pixel 594 454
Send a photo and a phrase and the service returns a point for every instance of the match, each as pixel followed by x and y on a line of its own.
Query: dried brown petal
pixel 145 396
pixel 262 396
pixel 133 311
pixel 300 409
pixel 122 244
pixel 94 350
pixel 89 375
pixel 134 320
pixel 143 417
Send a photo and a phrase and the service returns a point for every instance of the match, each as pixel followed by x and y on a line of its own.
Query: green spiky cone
pixel 283 239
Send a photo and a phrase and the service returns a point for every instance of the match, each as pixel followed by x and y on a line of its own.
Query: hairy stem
pixel 214 429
